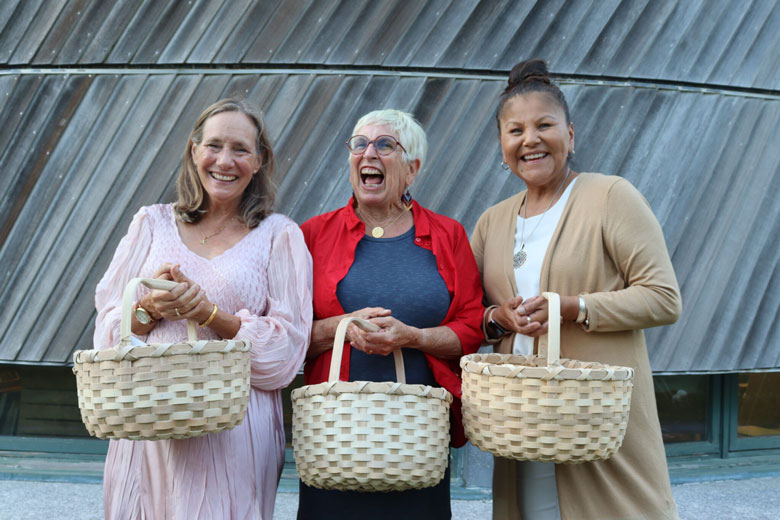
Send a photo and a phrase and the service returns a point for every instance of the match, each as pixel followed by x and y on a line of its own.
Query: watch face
pixel 142 316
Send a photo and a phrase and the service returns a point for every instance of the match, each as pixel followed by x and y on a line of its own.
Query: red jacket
pixel 332 239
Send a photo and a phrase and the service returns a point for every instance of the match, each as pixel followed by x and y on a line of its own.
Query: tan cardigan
pixel 609 248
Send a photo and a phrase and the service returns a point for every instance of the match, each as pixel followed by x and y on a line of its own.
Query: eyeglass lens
pixel 384 144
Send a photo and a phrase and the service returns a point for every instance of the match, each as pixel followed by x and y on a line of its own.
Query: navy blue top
pixel 395 274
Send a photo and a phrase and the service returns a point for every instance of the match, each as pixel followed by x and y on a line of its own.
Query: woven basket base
pixel 369 441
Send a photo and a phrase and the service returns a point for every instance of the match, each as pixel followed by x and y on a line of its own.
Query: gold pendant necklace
pixel 378 231
pixel 205 237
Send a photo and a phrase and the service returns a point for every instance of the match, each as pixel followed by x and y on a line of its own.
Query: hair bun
pixel 528 71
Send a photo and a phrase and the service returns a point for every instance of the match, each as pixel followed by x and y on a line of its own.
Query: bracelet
pixel 583 311
pixel 211 318
pixel 583 317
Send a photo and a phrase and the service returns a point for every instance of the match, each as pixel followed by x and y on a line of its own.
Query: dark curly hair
pixel 530 76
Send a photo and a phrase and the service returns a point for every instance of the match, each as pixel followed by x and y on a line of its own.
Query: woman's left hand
pixel 197 305
pixel 391 336
pixel 534 312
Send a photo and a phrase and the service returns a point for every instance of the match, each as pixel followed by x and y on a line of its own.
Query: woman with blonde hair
pixel 248 276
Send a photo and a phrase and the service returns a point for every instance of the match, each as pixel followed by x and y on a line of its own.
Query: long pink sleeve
pixel 280 337
pixel 130 255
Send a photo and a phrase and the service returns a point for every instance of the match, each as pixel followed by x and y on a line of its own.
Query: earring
pixel 504 165
pixel 570 155
pixel 406 199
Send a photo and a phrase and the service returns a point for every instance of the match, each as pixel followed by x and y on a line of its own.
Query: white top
pixel 539 230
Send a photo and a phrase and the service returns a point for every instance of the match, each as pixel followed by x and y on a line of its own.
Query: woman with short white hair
pixel 385 258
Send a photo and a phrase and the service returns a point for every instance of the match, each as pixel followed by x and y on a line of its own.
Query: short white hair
pixel 410 132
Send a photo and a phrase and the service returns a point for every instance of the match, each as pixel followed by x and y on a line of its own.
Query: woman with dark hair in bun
pixel 593 239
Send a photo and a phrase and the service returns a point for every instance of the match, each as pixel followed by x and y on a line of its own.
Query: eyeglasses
pixel 384 144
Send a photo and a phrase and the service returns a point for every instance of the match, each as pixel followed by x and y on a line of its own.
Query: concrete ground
pixel 753 498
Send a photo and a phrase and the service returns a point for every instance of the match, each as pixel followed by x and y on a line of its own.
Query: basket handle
pixel 553 328
pixel 127 306
pixel 338 349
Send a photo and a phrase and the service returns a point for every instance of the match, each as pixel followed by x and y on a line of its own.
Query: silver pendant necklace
pixel 519 258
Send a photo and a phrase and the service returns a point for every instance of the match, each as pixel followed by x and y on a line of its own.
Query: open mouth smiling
pixel 222 177
pixel 371 177
pixel 534 156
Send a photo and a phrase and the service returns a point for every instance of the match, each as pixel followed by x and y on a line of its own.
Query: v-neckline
pixel 173 223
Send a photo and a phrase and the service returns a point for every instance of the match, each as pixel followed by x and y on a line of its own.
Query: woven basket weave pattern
pixel 369 441
pixel 545 408
pixel 550 420
pixel 168 397
pixel 370 436
pixel 162 391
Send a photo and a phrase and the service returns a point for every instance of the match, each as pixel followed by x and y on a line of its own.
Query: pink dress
pixel 265 280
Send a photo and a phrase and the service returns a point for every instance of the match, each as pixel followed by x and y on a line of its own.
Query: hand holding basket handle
pixel 127 307
pixel 156 391
pixel 338 349
pixel 553 336
pixel 578 410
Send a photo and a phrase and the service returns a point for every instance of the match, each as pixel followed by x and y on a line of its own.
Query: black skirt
pixel 431 503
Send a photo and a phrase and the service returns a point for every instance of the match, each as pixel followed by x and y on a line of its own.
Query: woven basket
pixel 550 410
pixel 366 436
pixel 162 391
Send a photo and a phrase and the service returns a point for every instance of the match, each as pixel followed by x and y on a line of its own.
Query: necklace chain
pixel 378 231
pixel 519 258
pixel 205 237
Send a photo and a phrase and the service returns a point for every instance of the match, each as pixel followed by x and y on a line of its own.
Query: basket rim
pixel 536 367
pixel 372 387
pixel 155 350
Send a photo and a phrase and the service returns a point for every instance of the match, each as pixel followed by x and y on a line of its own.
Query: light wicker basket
pixel 162 391
pixel 368 436
pixel 549 410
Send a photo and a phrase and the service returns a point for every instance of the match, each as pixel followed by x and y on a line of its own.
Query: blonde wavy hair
pixel 257 201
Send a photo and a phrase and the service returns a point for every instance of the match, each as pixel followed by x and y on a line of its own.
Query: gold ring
pixel 177 311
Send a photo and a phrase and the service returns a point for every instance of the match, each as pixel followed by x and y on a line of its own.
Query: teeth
pixel 225 178
pixel 370 171
pixel 534 156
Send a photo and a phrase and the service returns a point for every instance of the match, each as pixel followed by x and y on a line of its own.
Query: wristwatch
pixel 142 315
pixel 497 327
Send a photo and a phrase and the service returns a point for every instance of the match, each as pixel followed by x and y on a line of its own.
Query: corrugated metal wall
pixel 682 98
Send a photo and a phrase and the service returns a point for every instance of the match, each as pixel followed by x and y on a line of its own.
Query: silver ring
pixel 177 311
pixel 529 319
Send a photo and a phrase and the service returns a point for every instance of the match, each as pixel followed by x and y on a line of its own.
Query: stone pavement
pixel 751 498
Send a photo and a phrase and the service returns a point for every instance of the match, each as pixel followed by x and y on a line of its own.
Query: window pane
pixel 39 401
pixel 759 405
pixel 683 407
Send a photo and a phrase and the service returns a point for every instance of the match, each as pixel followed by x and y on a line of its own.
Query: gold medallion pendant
pixel 377 232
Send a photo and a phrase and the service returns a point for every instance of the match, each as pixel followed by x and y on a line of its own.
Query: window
pixel 39 401
pixel 684 408
pixel 758 401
